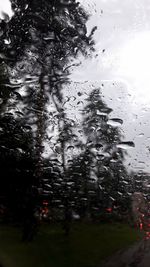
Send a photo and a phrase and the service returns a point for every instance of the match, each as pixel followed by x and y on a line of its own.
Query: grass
pixel 87 245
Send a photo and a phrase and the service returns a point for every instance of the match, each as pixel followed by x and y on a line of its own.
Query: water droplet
pixel 70 161
pixel 7 41
pixel 70 147
pixel 100 157
pixel 120 194
pixel 48 185
pixel 126 145
pixel 101 113
pixel 106 110
pixel 20 150
pixel 141 134
pixel 98 146
pixel 57 149
pixel 80 102
pixel 70 183
pixel 93 129
pixel 2 56
pixel 1 33
pixel 50 36
pixel 30 79
pixel 79 93
pixel 115 122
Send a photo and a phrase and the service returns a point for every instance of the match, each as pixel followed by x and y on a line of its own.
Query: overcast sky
pixel 124 33
pixel 122 63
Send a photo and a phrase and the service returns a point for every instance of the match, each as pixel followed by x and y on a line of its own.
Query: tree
pixel 38 46
pixel 105 158
pixel 16 161
pixel 53 33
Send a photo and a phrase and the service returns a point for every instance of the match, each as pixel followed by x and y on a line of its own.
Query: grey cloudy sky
pixel 124 32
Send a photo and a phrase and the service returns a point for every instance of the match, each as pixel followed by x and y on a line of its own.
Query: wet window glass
pixel 74 133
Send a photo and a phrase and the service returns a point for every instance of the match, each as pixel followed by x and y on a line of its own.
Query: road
pixel 136 256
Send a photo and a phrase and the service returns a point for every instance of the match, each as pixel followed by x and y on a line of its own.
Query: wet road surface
pixel 136 256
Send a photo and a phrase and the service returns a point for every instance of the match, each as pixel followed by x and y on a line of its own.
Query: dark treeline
pixel 38 46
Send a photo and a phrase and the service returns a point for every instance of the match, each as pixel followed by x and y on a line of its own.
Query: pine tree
pixel 105 158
